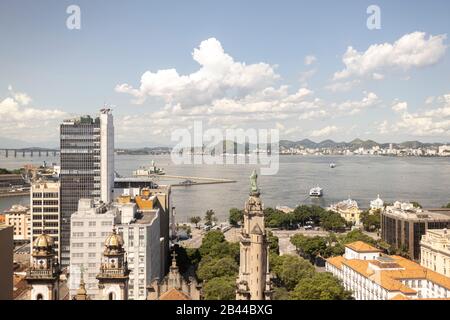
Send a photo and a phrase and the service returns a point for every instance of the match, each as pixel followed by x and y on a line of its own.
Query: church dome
pixel 43 241
pixel 114 240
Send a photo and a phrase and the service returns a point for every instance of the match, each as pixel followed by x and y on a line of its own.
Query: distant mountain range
pixel 354 144
pixel 230 145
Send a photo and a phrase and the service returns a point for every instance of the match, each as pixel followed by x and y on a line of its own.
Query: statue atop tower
pixel 254 281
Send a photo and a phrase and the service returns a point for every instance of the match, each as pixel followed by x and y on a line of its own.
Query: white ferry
pixel 316 192
pixel 332 165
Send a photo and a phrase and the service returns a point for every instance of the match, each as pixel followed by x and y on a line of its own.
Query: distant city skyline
pixel 309 72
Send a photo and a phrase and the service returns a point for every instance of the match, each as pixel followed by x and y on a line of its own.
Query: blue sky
pixel 48 72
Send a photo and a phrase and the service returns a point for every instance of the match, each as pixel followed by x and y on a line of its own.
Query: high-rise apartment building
pixel 87 167
pixel 45 217
pixel 140 230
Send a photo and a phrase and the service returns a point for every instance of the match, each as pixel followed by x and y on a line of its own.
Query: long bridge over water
pixel 40 152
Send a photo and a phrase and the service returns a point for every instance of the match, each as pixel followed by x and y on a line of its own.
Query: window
pixel 92 244
pixel 92 255
pixel 92 223
pixel 77 223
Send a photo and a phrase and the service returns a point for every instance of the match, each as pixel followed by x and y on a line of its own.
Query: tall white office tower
pixel 106 155
pixel 87 167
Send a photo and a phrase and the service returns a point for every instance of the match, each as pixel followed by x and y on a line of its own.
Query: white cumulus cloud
pixel 411 50
pixel 326 131
pixel 219 76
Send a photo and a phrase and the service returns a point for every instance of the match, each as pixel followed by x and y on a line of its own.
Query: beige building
pixel 45 217
pixel 6 262
pixel 254 281
pixel 19 218
pixel 369 275
pixel 435 251
pixel 349 210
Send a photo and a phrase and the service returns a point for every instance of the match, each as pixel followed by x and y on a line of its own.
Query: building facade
pixel 435 251
pixel 19 218
pixel 174 286
pixel 349 210
pixel 45 217
pixel 403 225
pixel 87 167
pixel 369 275
pixel 90 225
pixel 6 262
pixel 163 194
pixel 140 230
pixel 254 281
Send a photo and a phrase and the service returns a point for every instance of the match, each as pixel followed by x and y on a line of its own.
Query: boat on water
pixel 332 165
pixel 149 171
pixel 316 192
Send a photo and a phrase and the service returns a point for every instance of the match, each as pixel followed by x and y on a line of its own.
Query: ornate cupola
pixel 43 274
pixel 113 276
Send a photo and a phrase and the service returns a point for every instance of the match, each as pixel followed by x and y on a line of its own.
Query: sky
pixel 311 69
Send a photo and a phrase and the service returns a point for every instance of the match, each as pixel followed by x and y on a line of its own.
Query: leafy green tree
pixel 209 240
pixel 447 206
pixel 320 286
pixel 416 204
pixel 278 219
pixel 222 288
pixel 210 217
pixel 195 220
pixel 280 293
pixel 210 268
pixel 309 247
pixel 273 242
pixel 236 216
pixel 356 235
pixel 289 269
pixel 305 213
pixel 332 221
pixel 371 221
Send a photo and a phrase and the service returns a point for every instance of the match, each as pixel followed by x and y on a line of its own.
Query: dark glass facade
pixel 406 234
pixel 80 171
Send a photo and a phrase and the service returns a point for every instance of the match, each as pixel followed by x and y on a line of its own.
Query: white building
pixel 372 276
pixel 140 230
pixel 90 225
pixel 45 217
pixel 376 204
pixel 435 251
pixel 444 150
